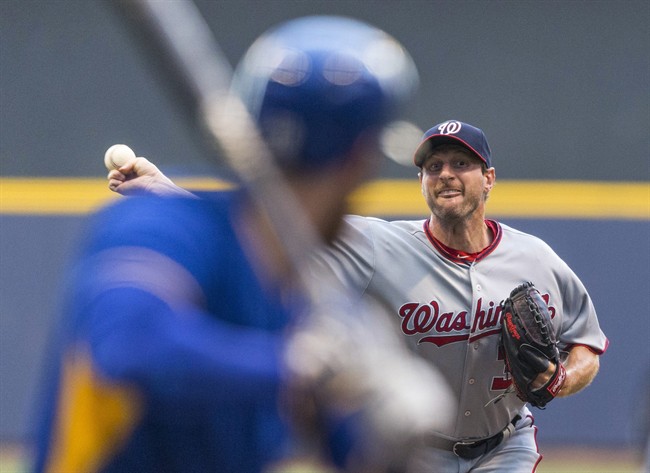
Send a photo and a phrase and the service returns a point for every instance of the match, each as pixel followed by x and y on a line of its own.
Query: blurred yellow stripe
pixel 545 199
pixel 69 196
pixel 45 196
pixel 549 199
pixel 617 200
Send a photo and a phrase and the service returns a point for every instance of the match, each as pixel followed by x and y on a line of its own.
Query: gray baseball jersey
pixel 447 305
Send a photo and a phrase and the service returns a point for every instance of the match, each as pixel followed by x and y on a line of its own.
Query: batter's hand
pixel 354 386
pixel 141 176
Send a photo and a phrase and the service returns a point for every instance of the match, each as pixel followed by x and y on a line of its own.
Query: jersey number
pixel 501 383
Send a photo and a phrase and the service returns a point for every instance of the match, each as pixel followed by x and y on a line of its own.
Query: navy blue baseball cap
pixel 454 132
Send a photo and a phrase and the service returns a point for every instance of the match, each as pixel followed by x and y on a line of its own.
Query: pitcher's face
pixel 454 183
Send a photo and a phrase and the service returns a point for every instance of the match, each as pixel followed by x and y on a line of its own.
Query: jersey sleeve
pixel 527 257
pixel 350 259
pixel 141 304
pixel 580 324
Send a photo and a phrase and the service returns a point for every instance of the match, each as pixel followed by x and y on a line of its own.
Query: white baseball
pixel 117 156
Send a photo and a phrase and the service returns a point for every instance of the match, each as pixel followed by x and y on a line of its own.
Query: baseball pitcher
pixel 450 281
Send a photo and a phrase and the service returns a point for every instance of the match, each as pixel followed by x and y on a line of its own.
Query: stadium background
pixel 559 87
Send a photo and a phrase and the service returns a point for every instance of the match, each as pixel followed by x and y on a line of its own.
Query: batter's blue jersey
pixel 169 356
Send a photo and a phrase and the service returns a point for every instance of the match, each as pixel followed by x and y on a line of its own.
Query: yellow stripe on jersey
pixel 388 197
pixel 93 419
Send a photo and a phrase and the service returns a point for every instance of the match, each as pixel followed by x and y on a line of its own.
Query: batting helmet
pixel 316 83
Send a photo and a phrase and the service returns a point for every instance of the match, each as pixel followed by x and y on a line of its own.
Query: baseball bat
pixel 177 36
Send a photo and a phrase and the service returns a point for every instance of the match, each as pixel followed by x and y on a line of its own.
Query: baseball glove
pixel 529 345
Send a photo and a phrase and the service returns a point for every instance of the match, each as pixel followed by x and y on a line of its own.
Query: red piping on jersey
pixel 461 257
pixel 536 446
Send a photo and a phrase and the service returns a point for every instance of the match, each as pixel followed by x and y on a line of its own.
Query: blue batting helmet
pixel 315 84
